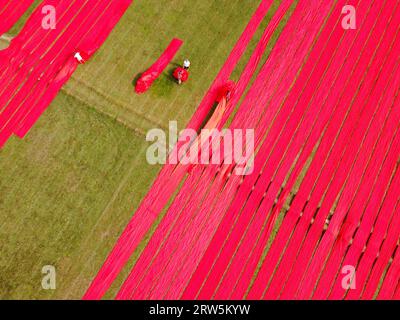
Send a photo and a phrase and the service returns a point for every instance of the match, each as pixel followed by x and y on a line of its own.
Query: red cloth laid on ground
pixel 38 62
pixel 148 77
pixel 10 12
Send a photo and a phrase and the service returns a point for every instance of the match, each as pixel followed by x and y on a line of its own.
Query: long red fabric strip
pixel 295 211
pixel 319 222
pixel 382 245
pixel 91 41
pixel 240 226
pixel 368 223
pixel 375 232
pixel 10 12
pixel 316 262
pixel 256 217
pixel 368 179
pixel 45 65
pixel 39 61
pixel 332 33
pixel 391 280
pixel 322 213
pixel 150 75
pixel 322 220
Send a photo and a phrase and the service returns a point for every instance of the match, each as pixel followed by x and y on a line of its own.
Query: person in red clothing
pixel 227 90
pixel 181 74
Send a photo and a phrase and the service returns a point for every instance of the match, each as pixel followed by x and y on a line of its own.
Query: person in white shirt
pixel 186 64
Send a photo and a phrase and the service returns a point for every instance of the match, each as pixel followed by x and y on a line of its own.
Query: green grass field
pixel 68 189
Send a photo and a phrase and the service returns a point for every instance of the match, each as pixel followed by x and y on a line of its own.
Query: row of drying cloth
pixel 324 105
pixel 10 12
pixel 39 61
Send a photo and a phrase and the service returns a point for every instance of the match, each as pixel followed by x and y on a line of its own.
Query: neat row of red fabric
pixel 325 108
pixel 317 182
pixel 40 61
pixel 10 12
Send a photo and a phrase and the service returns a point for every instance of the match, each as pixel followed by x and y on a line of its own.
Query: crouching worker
pixel 226 91
pixel 81 57
pixel 181 74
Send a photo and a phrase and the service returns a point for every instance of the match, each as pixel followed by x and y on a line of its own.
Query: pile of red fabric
pixel 145 81
pixel 181 74
pixel 226 91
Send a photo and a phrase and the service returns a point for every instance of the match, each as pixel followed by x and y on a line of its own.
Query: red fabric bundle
pixel 226 91
pixel 181 74
pixel 148 77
